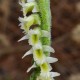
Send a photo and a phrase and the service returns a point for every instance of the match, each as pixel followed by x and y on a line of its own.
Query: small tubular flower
pixel 38 55
pixel 34 36
pixel 45 72
pixel 29 7
pixel 50 77
pixel 27 22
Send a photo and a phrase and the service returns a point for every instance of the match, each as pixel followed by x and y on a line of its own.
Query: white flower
pixel 45 72
pixel 34 36
pixel 51 77
pixel 38 54
pixel 27 22
pixel 45 69
pixel 29 7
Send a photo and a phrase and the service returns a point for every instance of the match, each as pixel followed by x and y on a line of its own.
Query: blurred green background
pixel 65 40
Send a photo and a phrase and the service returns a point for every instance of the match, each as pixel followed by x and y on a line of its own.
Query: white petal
pixel 50 67
pixel 27 53
pixel 45 33
pixel 23 19
pixel 34 31
pixel 54 74
pixel 30 0
pixel 21 3
pixel 37 46
pixel 48 48
pixel 20 19
pixel 51 59
pixel 35 9
pixel 23 38
pixel 33 66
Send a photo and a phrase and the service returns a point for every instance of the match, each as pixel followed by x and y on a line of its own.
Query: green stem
pixel 45 15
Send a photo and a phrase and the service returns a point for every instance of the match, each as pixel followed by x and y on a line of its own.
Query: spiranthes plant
pixel 38 37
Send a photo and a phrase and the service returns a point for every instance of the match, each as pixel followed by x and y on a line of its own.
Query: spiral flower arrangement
pixel 39 37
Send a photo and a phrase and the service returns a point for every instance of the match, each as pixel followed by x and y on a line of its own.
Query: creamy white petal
pixel 34 31
pixel 38 56
pixel 23 19
pixel 50 67
pixel 51 59
pixel 37 46
pixel 21 3
pixel 34 10
pixel 34 36
pixel 27 53
pixel 45 33
pixel 33 66
pixel 48 49
pixel 23 38
pixel 54 74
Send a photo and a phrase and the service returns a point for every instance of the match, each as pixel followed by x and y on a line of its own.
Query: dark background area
pixel 65 40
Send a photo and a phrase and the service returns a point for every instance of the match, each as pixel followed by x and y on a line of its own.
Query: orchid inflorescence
pixel 38 37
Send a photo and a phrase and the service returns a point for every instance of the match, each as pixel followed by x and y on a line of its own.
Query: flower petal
pixel 28 7
pixel 33 66
pixel 23 19
pixel 48 49
pixel 27 53
pixel 54 74
pixel 34 39
pixel 35 10
pixel 23 38
pixel 37 46
pixel 51 59
pixel 39 57
pixel 45 67
pixel 34 31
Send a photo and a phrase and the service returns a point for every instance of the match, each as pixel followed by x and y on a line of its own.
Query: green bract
pixel 37 28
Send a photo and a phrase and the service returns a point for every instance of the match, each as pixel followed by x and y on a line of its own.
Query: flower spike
pixel 35 23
